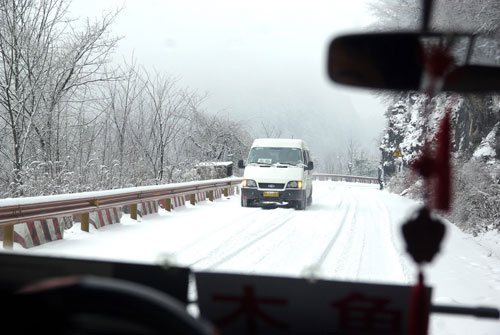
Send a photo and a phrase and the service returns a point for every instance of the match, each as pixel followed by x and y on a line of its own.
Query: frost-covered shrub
pixel 407 184
pixel 476 194
pixel 190 175
pixel 44 178
pixel 476 206
pixel 397 184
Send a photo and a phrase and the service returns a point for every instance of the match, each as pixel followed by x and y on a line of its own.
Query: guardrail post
pixel 192 199
pixel 85 222
pixel 211 195
pixel 226 192
pixel 8 237
pixel 133 211
pixel 168 205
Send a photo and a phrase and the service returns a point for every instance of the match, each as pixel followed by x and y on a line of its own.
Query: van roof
pixel 279 142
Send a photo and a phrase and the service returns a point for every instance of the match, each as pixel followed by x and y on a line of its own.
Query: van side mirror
pixel 310 166
pixel 241 165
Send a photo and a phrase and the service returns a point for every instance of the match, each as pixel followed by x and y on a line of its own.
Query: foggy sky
pixel 259 61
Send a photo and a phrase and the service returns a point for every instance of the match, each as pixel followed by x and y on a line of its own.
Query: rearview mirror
pixel 395 61
pixel 241 164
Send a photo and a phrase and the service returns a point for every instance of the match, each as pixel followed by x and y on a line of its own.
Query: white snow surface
pixel 351 232
pixel 214 163
pixel 485 149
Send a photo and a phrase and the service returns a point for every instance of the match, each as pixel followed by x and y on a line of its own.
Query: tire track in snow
pixel 332 241
pixel 247 248
pixel 273 255
pixel 224 258
pixel 363 245
pixel 368 249
pixel 369 226
pixel 397 253
pixel 243 248
pixel 203 239
pixel 347 251
pixel 353 266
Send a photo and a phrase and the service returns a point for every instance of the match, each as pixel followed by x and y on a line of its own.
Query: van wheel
pixel 245 203
pixel 310 199
pixel 301 204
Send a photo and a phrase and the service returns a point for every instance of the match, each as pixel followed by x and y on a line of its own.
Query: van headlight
pixel 248 183
pixel 294 184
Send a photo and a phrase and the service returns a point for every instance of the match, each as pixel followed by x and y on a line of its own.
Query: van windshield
pixel 267 155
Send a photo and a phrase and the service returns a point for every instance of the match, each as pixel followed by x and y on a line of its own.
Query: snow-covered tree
pixel 165 116
pixel 212 138
pixel 70 120
pixel 45 59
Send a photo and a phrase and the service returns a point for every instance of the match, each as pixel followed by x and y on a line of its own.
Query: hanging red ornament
pixel 442 168
pixel 423 235
pixel 418 318
pixel 436 169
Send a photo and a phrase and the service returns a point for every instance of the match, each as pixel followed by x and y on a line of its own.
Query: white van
pixel 277 171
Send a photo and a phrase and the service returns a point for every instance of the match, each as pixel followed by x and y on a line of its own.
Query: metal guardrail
pixel 347 178
pixel 20 210
pixel 41 207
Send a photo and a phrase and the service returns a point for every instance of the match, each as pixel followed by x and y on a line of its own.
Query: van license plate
pixel 271 194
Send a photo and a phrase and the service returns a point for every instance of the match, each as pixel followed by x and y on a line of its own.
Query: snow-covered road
pixel 351 231
pixel 346 233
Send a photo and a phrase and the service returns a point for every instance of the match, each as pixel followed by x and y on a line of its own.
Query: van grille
pixel 271 185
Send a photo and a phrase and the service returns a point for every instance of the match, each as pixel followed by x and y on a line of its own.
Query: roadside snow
pixel 490 241
pixel 486 148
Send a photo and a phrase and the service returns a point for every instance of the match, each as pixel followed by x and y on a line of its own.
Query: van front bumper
pixel 265 196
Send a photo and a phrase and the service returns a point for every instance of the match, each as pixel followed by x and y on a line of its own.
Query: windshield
pixel 135 117
pixel 265 155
